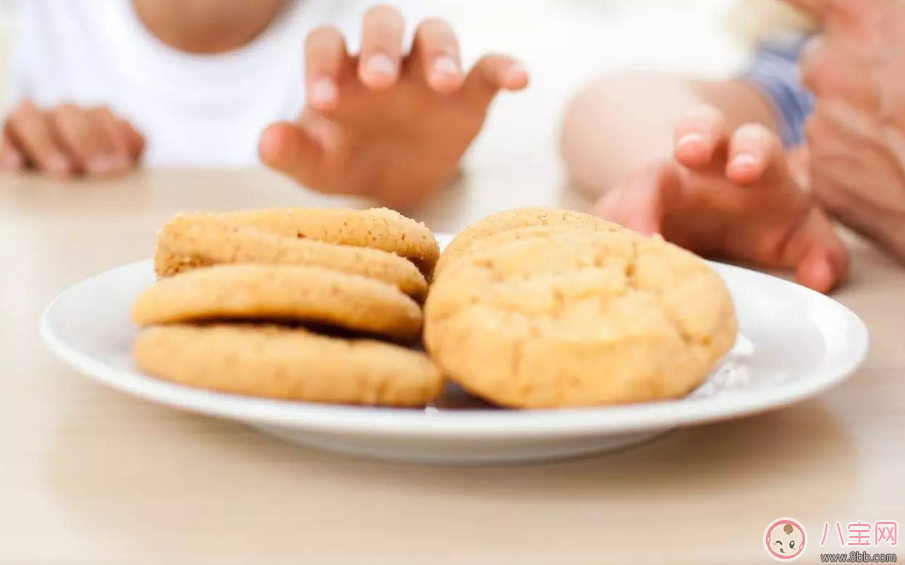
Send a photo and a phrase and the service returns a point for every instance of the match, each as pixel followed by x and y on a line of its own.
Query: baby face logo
pixel 784 539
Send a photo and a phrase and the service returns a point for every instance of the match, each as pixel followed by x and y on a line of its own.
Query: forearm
pixel 619 123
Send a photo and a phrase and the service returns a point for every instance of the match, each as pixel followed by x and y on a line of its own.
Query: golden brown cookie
pixel 579 319
pixel 198 240
pixel 520 223
pixel 377 228
pixel 280 292
pixel 291 364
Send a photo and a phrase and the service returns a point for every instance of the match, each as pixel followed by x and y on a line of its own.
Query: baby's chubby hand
pixel 384 123
pixel 731 195
pixel 69 140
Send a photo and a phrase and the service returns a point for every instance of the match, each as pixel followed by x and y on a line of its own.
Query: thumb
pixel 821 260
pixel 289 149
pixel 491 74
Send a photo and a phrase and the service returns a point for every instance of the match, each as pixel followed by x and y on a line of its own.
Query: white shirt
pixel 199 110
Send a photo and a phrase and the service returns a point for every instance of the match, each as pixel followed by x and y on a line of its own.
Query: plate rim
pixel 462 424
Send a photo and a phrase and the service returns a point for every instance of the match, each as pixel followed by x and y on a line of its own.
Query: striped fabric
pixel 775 71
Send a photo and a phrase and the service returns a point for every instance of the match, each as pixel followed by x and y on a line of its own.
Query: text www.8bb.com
pixel 858 557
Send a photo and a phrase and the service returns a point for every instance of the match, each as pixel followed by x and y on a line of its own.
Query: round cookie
pixel 579 319
pixel 280 292
pixel 496 239
pixel 292 364
pixel 519 223
pixel 378 228
pixel 197 240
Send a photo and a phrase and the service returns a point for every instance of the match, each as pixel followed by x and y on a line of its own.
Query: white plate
pixel 794 343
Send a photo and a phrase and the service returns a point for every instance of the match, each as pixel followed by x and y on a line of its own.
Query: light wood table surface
pixel 92 476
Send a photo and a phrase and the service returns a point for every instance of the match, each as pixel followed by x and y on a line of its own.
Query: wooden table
pixel 92 476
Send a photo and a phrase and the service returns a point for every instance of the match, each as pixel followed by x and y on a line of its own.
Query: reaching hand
pixel 385 124
pixel 69 140
pixel 732 196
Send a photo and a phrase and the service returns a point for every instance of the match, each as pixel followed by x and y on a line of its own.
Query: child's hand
pixel 383 123
pixel 69 140
pixel 731 197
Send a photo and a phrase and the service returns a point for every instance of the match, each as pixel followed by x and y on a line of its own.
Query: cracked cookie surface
pixel 190 241
pixel 281 293
pixel 292 364
pixel 519 223
pixel 578 318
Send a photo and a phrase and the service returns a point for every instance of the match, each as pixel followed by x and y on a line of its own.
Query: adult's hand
pixel 856 135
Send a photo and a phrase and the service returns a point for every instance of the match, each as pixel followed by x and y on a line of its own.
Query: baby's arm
pixel 620 123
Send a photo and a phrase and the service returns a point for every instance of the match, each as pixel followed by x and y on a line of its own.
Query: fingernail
pixel 380 64
pixel 446 65
pixel 516 71
pixel 323 92
pixel 517 68
pixel 744 159
pixel 690 138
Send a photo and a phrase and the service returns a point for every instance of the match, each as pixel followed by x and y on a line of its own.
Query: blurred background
pixel 563 44
pixel 565 40
pixel 7 33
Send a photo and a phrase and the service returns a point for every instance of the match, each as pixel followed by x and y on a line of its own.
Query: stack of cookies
pixel 545 308
pixel 529 308
pixel 305 304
